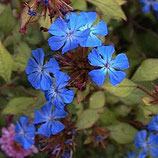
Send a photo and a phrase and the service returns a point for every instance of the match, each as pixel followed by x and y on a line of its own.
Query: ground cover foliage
pixel 105 118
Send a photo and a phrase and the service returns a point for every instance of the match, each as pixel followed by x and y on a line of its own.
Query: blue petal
pixel 106 52
pixel 61 80
pixel 56 42
pixel 58 102
pixel 153 124
pixel 57 127
pixel 58 113
pixel 155 6
pixel 131 154
pixel 90 17
pixel 91 41
pixel 76 21
pixel 52 66
pixel 30 131
pixel 39 117
pixel 50 93
pixel 153 140
pixel 95 58
pixel 140 139
pixel 121 62
pixel 46 81
pixel 32 66
pixel 38 54
pixel 81 36
pixel 47 109
pixel 45 129
pixel 98 76
pixel 18 127
pixel 142 1
pixel 24 120
pixel 70 44
pixel 146 8
pixel 143 153
pixel 35 80
pixel 66 95
pixel 24 141
pixel 100 29
pixel 154 151
pixel 58 28
pixel 116 76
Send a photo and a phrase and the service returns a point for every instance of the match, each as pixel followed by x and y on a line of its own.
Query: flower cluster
pixel 75 32
pixel 146 141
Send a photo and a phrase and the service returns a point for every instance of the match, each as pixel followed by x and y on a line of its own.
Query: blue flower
pixel 49 119
pixel 45 2
pixel 148 4
pixel 99 29
pixel 153 124
pixel 131 154
pixel 25 134
pixel 146 144
pixel 38 73
pixel 102 58
pixel 67 33
pixel 58 94
pixel 65 155
pixel 31 13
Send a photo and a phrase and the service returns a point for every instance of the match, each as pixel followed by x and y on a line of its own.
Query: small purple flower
pixel 58 94
pixel 25 133
pixel 102 58
pixel 38 73
pixel 49 118
pixel 9 145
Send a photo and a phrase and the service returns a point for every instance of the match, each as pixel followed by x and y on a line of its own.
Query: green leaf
pixel 97 100
pixel 122 110
pixel 122 133
pixel 88 118
pixel 25 105
pixel 18 105
pixel 108 117
pixel 22 56
pixel 148 71
pixel 7 21
pixel 79 4
pixel 124 89
pixel 6 63
pixel 110 8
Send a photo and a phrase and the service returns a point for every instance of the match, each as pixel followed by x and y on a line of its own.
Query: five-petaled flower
pixel 38 73
pixel 148 4
pixel 25 134
pixel 58 94
pixel 49 119
pixel 146 144
pixel 67 33
pixel 99 29
pixel 102 58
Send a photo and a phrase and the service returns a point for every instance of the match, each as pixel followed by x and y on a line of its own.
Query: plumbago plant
pixel 66 90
